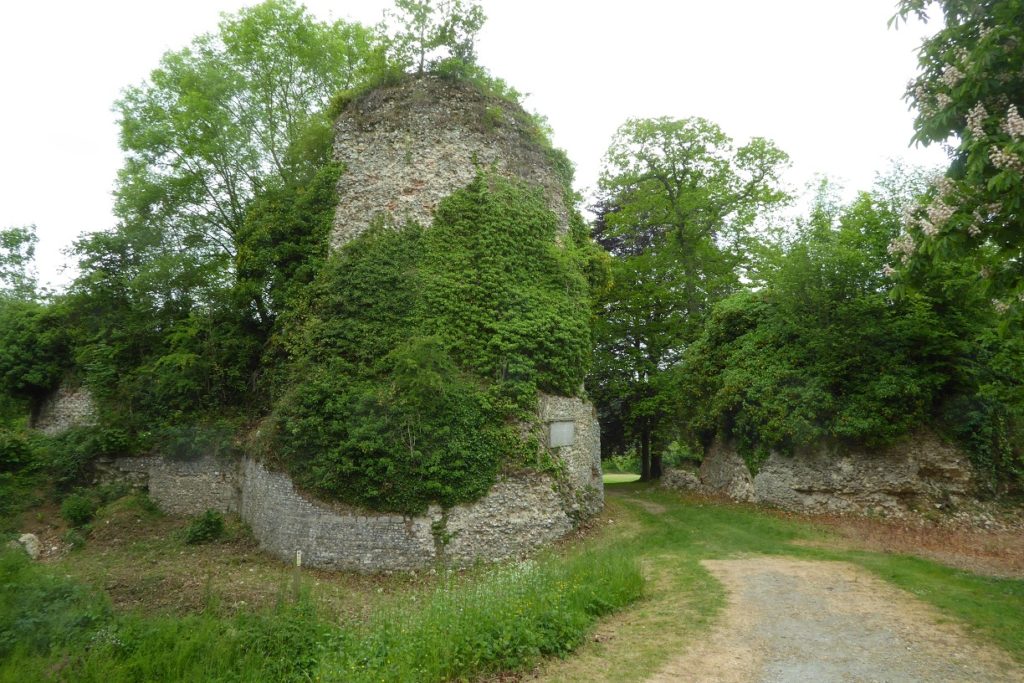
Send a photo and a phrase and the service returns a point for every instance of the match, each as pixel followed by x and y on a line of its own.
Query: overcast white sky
pixel 823 78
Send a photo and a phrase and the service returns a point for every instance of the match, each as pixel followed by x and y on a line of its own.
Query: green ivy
pixel 416 352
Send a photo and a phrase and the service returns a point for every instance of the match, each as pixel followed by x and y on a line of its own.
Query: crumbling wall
pixel 408 146
pixel 521 513
pixel 404 148
pixel 69 406
pixel 918 471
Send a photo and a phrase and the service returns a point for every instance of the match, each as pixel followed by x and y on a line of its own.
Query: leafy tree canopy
pixel 425 33
pixel 677 210
pixel 17 251
pixel 219 120
pixel 823 353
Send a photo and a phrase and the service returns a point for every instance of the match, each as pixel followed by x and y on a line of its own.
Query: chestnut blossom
pixel 945 186
pixel 939 212
pixel 903 247
pixel 1014 124
pixel 943 100
pixel 973 230
pixel 888 271
pixel 976 120
pixel 1003 159
pixel 1000 306
pixel 951 75
pixel 929 229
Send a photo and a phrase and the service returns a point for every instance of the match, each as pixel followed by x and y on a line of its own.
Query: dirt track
pixel 794 621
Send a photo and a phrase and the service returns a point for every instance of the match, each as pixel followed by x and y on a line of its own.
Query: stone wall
pixel 582 460
pixel 522 512
pixel 407 147
pixel 918 471
pixel 67 407
pixel 190 487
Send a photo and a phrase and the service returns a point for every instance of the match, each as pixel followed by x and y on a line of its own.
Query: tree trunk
pixel 656 468
pixel 645 455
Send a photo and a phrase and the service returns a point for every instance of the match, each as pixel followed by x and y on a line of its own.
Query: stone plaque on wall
pixel 561 434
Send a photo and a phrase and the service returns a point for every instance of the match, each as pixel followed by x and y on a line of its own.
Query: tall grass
pixel 504 620
pixel 490 620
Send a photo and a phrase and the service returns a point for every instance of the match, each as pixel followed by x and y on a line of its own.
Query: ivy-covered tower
pixel 408 151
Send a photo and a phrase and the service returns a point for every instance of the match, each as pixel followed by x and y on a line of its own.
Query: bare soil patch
pixel 791 620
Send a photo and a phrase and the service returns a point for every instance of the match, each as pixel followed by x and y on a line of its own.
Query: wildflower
pixel 1000 306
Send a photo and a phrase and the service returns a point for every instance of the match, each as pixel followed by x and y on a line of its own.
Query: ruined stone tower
pixel 404 148
pixel 408 146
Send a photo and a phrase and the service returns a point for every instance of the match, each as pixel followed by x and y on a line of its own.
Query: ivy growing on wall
pixel 417 352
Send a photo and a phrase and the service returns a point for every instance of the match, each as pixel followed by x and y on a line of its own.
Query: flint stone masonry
pixel 408 146
pixel 582 459
pixel 191 487
pixel 65 408
pixel 918 471
pixel 724 472
pixel 521 513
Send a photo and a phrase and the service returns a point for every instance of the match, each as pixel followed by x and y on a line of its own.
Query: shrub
pixel 69 454
pixel 16 451
pixel 78 509
pixel 207 527
pixel 74 538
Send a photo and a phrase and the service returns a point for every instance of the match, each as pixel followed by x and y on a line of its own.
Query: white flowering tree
pixel 969 94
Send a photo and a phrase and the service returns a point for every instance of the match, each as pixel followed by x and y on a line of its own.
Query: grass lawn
pixel 621 478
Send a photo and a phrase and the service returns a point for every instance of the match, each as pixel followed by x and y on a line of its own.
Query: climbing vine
pixel 417 353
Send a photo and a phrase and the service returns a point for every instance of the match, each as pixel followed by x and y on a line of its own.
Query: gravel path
pixel 794 621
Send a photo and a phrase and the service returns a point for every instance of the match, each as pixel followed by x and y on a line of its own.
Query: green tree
pixel 822 352
pixel 216 122
pixel 17 252
pixel 678 211
pixel 422 28
pixel 172 307
pixel 32 340
pixel 969 95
